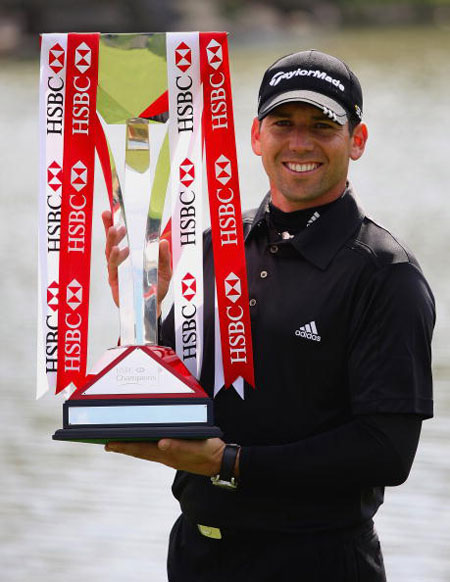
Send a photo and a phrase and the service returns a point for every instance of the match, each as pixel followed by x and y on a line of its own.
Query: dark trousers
pixel 346 556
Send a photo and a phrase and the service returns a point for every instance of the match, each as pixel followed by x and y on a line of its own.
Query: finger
pixel 113 237
pixel 116 258
pixel 182 446
pixel 140 450
pixel 164 444
pixel 107 220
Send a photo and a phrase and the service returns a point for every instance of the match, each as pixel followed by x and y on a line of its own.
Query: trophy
pixel 157 110
pixel 139 390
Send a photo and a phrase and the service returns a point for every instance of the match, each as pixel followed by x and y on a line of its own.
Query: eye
pixel 282 123
pixel 323 125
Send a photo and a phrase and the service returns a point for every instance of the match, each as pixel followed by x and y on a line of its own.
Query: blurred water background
pixel 71 512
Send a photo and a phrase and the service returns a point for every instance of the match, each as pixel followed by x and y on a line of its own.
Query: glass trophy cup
pixel 138 390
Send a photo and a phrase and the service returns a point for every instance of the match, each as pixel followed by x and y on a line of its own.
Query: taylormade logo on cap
pixel 280 75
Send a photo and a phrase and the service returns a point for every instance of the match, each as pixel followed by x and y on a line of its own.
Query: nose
pixel 300 139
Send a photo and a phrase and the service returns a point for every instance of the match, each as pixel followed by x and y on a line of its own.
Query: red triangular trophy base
pixel 138 393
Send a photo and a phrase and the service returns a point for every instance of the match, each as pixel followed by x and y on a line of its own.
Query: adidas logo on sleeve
pixel 308 331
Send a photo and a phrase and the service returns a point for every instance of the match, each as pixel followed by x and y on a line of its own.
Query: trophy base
pixel 138 393
pixel 138 434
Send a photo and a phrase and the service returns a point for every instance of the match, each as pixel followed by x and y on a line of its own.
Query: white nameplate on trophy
pixel 137 414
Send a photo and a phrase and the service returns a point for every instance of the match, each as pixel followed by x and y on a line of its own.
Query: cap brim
pixel 329 106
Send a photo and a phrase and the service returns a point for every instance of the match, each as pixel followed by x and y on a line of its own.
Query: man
pixel 342 319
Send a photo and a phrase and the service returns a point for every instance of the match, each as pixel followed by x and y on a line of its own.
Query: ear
pixel 256 145
pixel 358 141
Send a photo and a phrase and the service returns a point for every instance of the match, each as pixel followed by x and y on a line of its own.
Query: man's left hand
pixel 202 457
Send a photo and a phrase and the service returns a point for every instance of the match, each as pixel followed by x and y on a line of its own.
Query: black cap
pixel 316 78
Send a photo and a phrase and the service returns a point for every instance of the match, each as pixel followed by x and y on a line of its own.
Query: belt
pixel 365 529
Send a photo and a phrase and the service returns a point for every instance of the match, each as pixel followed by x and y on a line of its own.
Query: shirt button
pixel 252 302
pixel 263 274
pixel 273 249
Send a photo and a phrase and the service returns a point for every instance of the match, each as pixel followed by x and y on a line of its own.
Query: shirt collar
pixel 320 242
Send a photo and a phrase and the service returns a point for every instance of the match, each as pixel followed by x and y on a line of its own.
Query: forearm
pixel 370 450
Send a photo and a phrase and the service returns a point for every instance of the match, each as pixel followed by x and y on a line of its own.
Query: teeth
pixel 302 167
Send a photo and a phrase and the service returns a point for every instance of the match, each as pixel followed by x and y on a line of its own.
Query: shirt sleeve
pixel 371 450
pixel 389 362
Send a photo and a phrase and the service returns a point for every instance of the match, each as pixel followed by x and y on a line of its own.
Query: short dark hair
pixel 352 123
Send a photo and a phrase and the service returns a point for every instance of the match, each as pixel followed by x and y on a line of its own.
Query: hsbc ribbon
pixel 76 208
pixel 224 203
pixel 51 121
pixel 191 87
pixel 185 139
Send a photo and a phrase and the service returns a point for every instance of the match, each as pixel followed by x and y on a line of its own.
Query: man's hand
pixel 202 457
pixel 116 256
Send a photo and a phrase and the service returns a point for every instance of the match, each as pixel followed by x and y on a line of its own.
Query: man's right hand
pixel 116 256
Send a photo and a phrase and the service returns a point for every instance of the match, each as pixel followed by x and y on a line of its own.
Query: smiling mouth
pixel 301 168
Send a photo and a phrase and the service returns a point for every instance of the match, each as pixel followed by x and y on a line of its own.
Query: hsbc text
pixel 51 343
pixel 236 334
pixel 227 217
pixel 185 107
pixel 80 109
pixel 189 331
pixel 55 105
pixel 218 101
pixel 187 218
pixel 72 342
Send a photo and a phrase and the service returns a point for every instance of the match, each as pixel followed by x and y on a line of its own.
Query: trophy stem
pixel 135 205
pixel 142 212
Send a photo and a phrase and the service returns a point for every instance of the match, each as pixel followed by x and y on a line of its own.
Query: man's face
pixel 305 154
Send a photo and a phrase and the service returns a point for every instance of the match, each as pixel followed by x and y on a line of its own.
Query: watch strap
pixel 225 478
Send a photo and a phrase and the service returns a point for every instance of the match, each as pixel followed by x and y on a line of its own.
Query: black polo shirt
pixel 342 319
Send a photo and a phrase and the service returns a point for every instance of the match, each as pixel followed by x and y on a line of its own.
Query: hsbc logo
pixel 54 176
pixel 233 289
pixel 187 172
pixel 83 57
pixel 183 57
pixel 188 286
pixel 56 58
pixel 223 170
pixel 52 296
pixel 214 52
pixel 74 294
pixel 78 176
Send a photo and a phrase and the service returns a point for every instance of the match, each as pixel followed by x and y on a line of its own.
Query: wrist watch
pixel 225 478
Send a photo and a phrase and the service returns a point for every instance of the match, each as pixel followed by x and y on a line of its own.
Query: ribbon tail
pixel 238 385
pixel 219 378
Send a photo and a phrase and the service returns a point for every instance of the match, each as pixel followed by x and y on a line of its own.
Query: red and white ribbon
pixel 200 109
pixel 76 208
pixel 225 209
pixel 185 186
pixel 51 121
